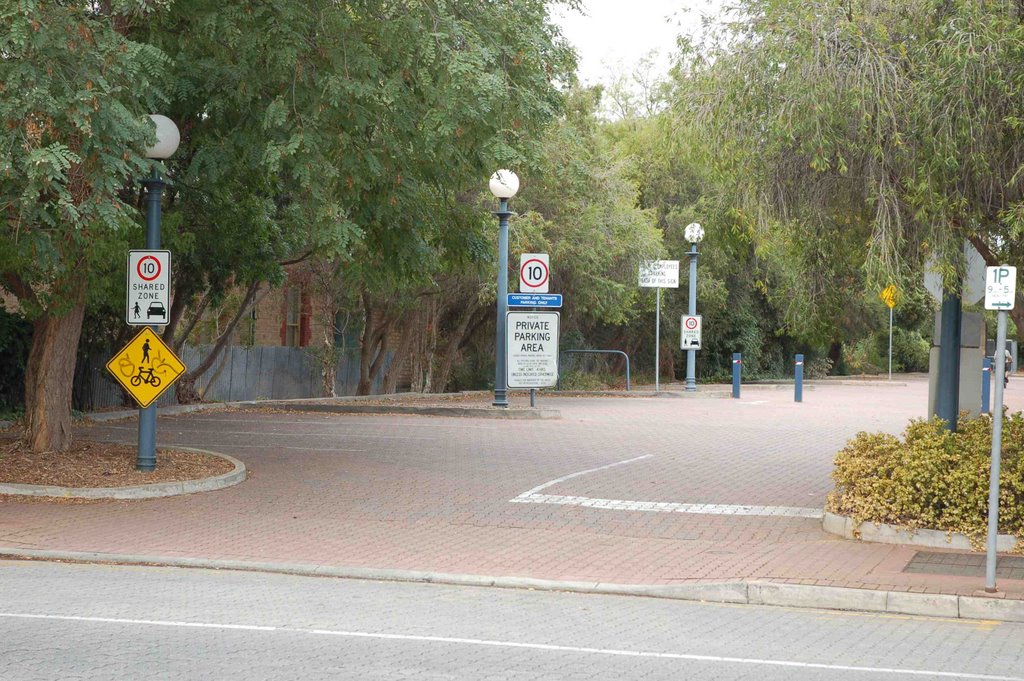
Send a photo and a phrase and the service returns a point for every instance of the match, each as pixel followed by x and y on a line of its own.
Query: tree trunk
pixel 185 389
pixel 49 379
pixel 443 370
pixel 373 345
pixel 410 331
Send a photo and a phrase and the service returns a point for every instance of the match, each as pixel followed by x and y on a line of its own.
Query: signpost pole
pixel 500 390
pixel 657 343
pixel 658 274
pixel 997 442
pixel 1001 295
pixel 146 458
pixel 890 343
pixel 691 355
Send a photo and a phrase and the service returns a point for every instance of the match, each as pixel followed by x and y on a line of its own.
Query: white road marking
pixel 576 475
pixel 532 496
pixel 671 507
pixel 517 645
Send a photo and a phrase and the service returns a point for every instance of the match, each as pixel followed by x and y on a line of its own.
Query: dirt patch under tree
pixel 101 464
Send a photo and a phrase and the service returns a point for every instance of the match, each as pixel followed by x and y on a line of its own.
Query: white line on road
pixel 538 488
pixel 516 644
pixel 532 497
pixel 671 507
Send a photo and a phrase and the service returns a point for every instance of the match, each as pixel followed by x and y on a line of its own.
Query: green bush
pixel 932 478
pixel 863 357
pixel 909 351
pixel 578 380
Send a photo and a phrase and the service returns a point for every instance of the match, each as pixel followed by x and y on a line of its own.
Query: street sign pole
pixel 146 459
pixel 890 343
pixel 659 274
pixel 1000 294
pixel 997 444
pixel 657 344
pixel 691 355
pixel 889 295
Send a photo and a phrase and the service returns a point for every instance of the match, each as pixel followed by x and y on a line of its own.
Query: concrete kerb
pixel 882 533
pixel 151 491
pixel 348 405
pixel 416 409
pixel 744 593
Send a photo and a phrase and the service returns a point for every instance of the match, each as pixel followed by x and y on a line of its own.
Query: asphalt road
pixel 67 621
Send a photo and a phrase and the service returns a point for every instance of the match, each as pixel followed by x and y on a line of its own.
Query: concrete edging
pixel 745 593
pixel 420 410
pixel 152 491
pixel 881 533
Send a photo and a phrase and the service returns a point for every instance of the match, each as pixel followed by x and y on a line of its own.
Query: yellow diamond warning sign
pixel 890 295
pixel 146 367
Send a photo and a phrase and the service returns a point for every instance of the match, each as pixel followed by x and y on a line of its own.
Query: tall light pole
pixel 504 185
pixel 167 139
pixel 694 234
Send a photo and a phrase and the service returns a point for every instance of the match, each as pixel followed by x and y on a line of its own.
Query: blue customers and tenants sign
pixel 535 300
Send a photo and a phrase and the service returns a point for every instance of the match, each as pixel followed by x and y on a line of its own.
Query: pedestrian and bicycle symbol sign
pixel 146 367
pixel 890 295
pixel 149 287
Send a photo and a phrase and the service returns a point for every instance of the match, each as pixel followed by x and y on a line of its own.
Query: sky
pixel 612 36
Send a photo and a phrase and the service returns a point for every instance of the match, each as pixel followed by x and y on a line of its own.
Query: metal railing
pixel 595 352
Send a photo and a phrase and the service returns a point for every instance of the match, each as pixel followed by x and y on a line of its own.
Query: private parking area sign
pixel 149 288
pixel 532 349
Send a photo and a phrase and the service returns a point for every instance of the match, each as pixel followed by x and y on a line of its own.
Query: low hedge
pixel 932 478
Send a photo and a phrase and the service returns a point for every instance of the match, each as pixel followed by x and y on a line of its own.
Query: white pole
pixel 890 343
pixel 997 443
pixel 657 344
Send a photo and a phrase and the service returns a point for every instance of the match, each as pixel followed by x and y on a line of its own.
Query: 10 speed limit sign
pixel 149 287
pixel 690 332
pixel 534 273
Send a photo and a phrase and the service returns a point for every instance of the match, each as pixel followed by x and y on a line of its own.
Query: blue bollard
pixel 798 394
pixel 986 385
pixel 737 363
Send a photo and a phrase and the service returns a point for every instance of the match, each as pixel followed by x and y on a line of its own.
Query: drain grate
pixel 964 565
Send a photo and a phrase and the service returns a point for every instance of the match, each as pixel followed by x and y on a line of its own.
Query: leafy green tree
pixel 74 92
pixel 865 137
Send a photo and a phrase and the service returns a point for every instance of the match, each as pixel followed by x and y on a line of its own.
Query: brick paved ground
pixel 432 493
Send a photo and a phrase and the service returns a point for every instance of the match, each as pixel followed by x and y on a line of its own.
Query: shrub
pixel 932 478
pixel 577 380
pixel 909 351
pixel 818 367
pixel 862 357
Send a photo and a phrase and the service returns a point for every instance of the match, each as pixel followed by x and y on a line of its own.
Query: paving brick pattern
pixel 434 493
pixel 972 565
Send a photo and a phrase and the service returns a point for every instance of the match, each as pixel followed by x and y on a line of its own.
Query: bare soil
pixel 101 464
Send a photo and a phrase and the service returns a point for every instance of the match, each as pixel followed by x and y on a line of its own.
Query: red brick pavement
pixel 434 493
